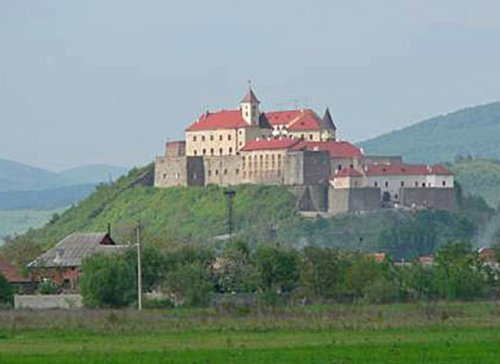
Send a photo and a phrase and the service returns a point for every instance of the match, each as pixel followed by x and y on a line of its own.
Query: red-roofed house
pixel 12 274
pixel 302 124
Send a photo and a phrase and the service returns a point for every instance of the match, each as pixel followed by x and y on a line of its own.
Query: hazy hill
pixel 20 177
pixel 94 174
pixel 44 199
pixel 479 177
pixel 473 131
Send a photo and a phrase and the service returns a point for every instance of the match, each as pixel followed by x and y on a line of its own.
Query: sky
pixel 85 82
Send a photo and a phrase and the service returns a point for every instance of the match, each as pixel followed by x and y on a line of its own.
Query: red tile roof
pixel 337 149
pixel 225 119
pixel 271 144
pixel 348 172
pixel 282 117
pixel 296 120
pixel 405 169
pixel 11 273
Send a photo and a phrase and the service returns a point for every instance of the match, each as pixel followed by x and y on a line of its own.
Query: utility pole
pixel 230 197
pixel 139 268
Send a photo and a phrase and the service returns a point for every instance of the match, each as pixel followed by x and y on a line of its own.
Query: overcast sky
pixel 99 81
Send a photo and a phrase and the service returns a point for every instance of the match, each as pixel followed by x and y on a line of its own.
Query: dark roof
pixel 327 121
pixel 10 273
pixel 250 97
pixel 264 122
pixel 74 248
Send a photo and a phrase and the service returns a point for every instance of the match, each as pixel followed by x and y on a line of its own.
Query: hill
pixel 94 174
pixel 479 177
pixel 44 199
pixel 472 132
pixel 15 176
pixel 263 214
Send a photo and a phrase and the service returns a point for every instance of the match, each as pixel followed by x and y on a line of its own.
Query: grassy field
pixel 451 333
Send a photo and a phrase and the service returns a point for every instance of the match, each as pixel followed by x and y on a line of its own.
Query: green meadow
pixel 399 333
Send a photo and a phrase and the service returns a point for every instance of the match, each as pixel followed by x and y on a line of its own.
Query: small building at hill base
pixel 61 264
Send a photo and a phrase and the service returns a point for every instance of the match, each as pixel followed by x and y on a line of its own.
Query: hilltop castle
pixel 299 149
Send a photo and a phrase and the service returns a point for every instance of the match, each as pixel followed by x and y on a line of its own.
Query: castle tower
pixel 249 107
pixel 330 130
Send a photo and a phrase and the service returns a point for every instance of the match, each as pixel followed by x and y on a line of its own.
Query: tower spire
pixel 249 106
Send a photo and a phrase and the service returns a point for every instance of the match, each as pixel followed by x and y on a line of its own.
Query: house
pixel 62 263
pixel 12 275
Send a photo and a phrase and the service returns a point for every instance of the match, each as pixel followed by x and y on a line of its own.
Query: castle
pixel 299 149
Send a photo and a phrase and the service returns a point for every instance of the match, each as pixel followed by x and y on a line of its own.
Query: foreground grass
pixel 322 334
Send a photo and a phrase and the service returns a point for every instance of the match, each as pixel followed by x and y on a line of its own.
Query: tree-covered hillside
pixel 472 132
pixel 479 177
pixel 263 214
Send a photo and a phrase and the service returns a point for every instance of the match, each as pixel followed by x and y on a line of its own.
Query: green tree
pixel 320 272
pixel 278 268
pixel 460 274
pixel 108 281
pixel 6 291
pixel 190 284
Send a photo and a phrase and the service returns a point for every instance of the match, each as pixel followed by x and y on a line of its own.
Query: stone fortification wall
pixel 316 168
pixel 434 198
pixel 171 171
pixel 311 198
pixel 342 200
pixel 222 170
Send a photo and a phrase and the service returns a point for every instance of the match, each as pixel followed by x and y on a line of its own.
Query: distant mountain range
pixel 15 176
pixel 472 132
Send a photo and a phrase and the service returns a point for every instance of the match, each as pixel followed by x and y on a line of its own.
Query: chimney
pixel 59 255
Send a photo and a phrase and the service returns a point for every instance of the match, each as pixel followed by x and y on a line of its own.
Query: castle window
pixel 229 137
pixel 386 184
pixel 204 151
pixel 211 137
pixel 402 183
pixel 216 172
pixel 220 137
pixel 444 183
pixel 164 175
pixel 301 136
pixel 240 131
pixel 237 171
pixel 311 137
pixel 396 196
pixel 376 184
pixel 195 152
pixel 230 150
pixel 339 167
pixel 416 183
pixel 212 151
pixel 220 151
pixel 194 138
pixel 240 144
pixel 225 171
pixel 203 138
pixel 423 184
